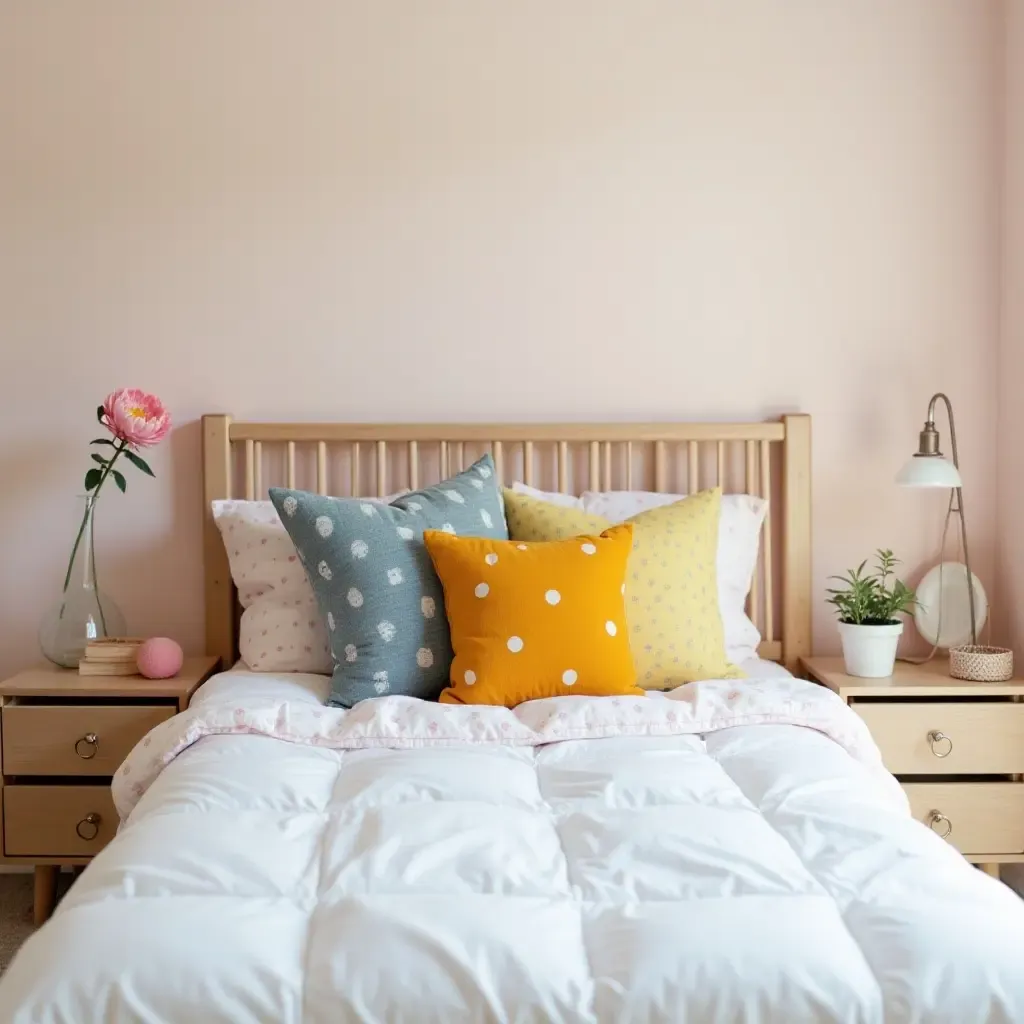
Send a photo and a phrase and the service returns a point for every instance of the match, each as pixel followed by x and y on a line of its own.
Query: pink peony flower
pixel 138 418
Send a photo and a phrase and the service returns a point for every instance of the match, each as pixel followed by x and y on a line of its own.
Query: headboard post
pixel 796 555
pixel 220 592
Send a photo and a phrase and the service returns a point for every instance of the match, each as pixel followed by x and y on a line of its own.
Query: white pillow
pixel 739 533
pixel 551 497
pixel 281 629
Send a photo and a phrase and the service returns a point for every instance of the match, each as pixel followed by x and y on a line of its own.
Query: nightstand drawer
pixel 49 739
pixel 978 738
pixel 58 821
pixel 984 817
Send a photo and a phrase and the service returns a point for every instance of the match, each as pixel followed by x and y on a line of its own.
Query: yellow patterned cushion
pixel 535 620
pixel 675 627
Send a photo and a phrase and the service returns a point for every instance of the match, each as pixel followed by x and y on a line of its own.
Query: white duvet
pixel 728 852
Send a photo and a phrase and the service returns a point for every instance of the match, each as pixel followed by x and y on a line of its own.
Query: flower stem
pixel 85 518
pixel 74 548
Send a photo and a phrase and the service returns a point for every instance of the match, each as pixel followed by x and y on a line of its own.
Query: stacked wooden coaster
pixel 111 656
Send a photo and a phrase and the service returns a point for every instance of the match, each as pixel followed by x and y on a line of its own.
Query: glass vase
pixel 83 613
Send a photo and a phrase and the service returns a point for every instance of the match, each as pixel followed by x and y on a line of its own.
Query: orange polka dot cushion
pixel 535 620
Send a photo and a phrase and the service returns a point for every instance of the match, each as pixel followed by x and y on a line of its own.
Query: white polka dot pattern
pixel 370 571
pixel 548 623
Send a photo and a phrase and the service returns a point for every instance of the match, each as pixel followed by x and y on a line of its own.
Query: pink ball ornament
pixel 160 658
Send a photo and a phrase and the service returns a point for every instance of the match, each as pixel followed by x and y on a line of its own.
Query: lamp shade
pixel 928 471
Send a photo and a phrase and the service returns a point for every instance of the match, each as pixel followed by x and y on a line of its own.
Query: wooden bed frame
pixel 772 459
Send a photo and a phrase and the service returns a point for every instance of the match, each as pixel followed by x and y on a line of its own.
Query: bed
pixel 727 851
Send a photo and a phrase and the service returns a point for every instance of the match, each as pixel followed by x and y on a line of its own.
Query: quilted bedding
pixel 722 853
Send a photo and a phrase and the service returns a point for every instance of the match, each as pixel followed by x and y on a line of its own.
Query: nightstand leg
pixel 45 897
pixel 990 869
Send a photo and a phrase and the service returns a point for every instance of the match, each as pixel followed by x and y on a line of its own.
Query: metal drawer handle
pixel 934 738
pixel 90 741
pixel 89 827
pixel 934 817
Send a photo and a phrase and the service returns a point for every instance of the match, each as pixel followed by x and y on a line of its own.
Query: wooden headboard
pixel 771 459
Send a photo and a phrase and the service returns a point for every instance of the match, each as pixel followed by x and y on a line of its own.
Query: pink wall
pixel 1011 354
pixel 533 210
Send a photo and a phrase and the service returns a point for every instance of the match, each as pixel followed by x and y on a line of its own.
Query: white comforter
pixel 705 860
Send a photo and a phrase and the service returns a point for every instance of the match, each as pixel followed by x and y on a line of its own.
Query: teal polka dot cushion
pixel 375 583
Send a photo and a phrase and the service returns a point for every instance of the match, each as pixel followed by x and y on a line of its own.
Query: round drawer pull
pixel 87 746
pixel 89 827
pixel 934 818
pixel 936 740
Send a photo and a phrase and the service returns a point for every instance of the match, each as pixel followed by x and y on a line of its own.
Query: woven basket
pixel 981 664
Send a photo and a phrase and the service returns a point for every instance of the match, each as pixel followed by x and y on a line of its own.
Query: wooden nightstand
pixel 956 747
pixel 62 737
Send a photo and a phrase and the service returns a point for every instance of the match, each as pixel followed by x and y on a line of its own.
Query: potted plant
pixel 867 607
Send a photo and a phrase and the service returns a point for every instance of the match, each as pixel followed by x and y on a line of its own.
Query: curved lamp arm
pixel 930 424
pixel 929 445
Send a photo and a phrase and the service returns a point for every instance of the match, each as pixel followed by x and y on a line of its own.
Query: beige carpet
pixel 16 912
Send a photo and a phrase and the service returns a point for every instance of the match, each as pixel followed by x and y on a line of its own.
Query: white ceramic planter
pixel 870 651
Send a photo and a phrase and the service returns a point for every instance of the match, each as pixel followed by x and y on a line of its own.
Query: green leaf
pixel 119 479
pixel 98 458
pixel 139 463
pixel 103 440
pixel 92 478
pixel 869 597
pixel 99 414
